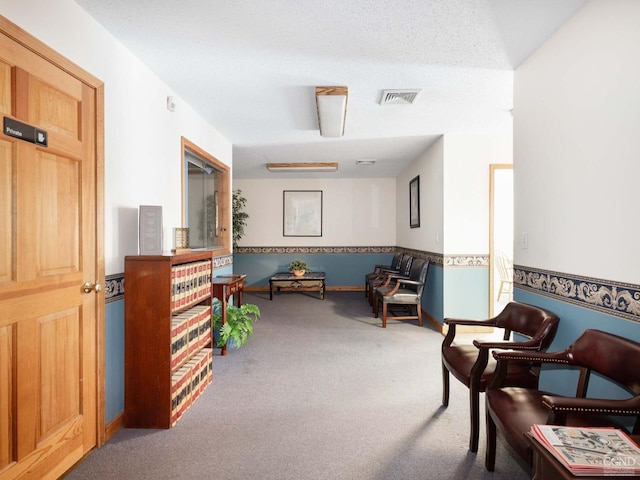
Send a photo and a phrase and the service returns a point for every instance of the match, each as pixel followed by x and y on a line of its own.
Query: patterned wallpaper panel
pixel 114 287
pixel 619 299
pixel 222 261
pixel 466 261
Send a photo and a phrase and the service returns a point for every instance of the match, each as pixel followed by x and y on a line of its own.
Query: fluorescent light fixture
pixel 303 167
pixel 366 161
pixel 331 103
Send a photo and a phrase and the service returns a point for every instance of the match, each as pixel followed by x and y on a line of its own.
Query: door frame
pixel 25 39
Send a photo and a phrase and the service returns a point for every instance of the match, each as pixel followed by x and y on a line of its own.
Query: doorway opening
pixel 500 237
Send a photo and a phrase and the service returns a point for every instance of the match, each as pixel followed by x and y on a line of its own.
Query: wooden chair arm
pixel 399 282
pixel 591 406
pixel 390 277
pixel 532 357
pixel 395 288
pixel 533 344
pixel 466 321
pixel 452 322
pixel 504 357
pixel 382 269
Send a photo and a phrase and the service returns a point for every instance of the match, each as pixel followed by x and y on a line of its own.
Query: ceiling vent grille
pixel 398 97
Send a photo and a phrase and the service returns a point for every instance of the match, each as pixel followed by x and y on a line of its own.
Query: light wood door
pixel 48 331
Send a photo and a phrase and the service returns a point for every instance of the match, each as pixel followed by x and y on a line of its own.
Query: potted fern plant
pixel 299 267
pixel 238 327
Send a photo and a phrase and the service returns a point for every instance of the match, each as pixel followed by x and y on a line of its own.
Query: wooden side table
pixel 223 287
pixel 544 466
pixel 312 281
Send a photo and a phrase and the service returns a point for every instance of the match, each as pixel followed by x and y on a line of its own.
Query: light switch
pixel 524 240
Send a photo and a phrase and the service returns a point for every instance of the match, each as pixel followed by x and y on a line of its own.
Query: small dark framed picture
pixel 414 202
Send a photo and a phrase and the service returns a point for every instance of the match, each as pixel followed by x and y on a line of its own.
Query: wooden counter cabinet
pixel 168 357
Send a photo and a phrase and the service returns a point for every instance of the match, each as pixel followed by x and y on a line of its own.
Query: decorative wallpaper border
pixel 434 258
pixel 316 250
pixel 614 298
pixel 466 261
pixel 222 261
pixel 114 287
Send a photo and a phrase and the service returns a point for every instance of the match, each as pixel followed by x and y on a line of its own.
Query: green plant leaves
pixel 239 216
pixel 239 324
pixel 298 264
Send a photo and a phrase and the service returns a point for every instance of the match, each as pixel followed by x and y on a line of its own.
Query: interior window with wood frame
pixel 206 199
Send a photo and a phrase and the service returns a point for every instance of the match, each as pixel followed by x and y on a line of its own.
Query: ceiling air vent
pixel 398 97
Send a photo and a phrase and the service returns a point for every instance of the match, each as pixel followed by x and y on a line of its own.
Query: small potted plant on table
pixel 238 326
pixel 299 267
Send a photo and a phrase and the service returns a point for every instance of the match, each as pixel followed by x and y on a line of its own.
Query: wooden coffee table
pixel 313 281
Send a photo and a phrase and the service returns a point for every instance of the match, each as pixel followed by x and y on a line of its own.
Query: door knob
pixel 89 286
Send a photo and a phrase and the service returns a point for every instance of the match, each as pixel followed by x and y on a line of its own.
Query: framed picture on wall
pixel 302 213
pixel 414 202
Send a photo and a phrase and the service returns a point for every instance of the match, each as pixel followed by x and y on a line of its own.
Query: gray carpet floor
pixel 320 392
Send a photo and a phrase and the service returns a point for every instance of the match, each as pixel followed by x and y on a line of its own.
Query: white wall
pixel 466 189
pixel 430 167
pixel 577 150
pixel 454 194
pixel 142 138
pixel 356 212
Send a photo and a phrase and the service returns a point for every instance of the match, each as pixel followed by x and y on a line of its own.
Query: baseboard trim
pixel 436 325
pixel 114 426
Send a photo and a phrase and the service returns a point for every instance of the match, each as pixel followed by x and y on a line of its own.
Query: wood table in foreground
pixel 546 467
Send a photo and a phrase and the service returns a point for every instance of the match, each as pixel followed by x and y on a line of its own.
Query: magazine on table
pixel 588 451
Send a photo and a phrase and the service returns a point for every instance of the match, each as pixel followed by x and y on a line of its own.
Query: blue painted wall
pixel 223 271
pixel 346 270
pixel 114 360
pixel 434 293
pixel 466 292
pixel 574 319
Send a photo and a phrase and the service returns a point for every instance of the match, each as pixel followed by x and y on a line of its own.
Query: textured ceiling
pixel 251 67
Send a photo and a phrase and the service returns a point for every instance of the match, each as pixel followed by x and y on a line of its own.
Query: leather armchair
pixel 379 271
pixel 473 366
pixel 514 410
pixel 404 292
pixel 384 280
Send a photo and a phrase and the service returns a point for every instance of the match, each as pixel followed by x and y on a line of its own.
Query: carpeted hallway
pixel 320 392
